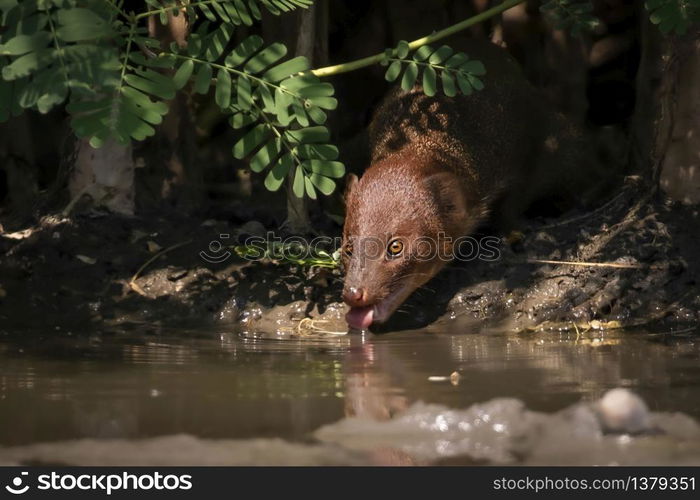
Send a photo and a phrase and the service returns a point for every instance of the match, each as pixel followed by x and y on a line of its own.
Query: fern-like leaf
pixel 131 102
pixel 50 51
pixel 277 103
pixel 454 70
pixel 232 12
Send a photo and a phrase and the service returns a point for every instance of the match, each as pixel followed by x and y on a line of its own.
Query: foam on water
pixel 617 429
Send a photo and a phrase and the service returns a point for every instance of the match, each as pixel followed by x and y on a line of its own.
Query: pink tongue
pixel 360 317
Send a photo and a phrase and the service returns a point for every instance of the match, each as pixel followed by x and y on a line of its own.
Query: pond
pixel 144 395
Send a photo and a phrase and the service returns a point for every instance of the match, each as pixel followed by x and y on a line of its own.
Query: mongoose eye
pixel 395 248
pixel 347 249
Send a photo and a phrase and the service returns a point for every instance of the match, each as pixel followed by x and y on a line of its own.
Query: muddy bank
pixel 95 268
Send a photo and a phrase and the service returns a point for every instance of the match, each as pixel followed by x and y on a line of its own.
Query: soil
pixel 74 273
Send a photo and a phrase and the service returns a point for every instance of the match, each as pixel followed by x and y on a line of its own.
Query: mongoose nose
pixel 355 297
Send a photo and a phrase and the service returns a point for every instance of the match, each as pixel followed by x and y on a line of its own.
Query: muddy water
pixel 121 388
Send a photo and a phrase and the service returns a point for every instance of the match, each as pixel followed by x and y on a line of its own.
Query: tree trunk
pixel 105 174
pixel 18 160
pixel 182 181
pixel 666 133
pixel 312 43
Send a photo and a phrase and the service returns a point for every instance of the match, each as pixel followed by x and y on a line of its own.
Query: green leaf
pixel 327 168
pixel 316 90
pixel 203 79
pixel 422 53
pixel 287 68
pixel 282 103
pixel 309 188
pixel 474 67
pixel 299 82
pixel 223 89
pixel 409 77
pixel 245 49
pixel 152 82
pixel 324 184
pixel 240 120
pixel 215 43
pixel 27 64
pixel 279 172
pixel 265 58
pixel 448 84
pixel 464 85
pixel 300 114
pixel 81 24
pixel 249 141
pixel 309 135
pixel 402 49
pixel 324 102
pixel 244 92
pixel 393 72
pixel 21 44
pixel 265 155
pixel 456 60
pixel 429 83
pixel 243 13
pixel 183 74
pixel 318 151
pixel 317 115
pixel 440 55
pixel 475 82
pixel 298 184
pixel 268 99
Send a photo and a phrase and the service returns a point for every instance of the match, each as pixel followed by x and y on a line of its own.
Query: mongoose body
pixel 441 166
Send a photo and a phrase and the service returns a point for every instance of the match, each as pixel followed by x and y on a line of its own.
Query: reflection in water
pixel 221 386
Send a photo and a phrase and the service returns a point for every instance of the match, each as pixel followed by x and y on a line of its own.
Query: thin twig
pixel 439 35
pixel 132 282
pixel 587 264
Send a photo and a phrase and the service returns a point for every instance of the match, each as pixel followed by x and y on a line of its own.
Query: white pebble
pixel 620 410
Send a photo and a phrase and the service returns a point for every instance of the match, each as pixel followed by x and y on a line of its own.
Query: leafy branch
pixel 456 70
pixel 280 104
pixel 235 12
pixel 416 44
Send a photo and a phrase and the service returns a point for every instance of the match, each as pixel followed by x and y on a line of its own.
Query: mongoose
pixel 440 167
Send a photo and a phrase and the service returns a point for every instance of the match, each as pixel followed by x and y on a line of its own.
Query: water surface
pixel 145 382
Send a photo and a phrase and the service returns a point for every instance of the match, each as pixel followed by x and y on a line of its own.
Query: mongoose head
pixel 401 218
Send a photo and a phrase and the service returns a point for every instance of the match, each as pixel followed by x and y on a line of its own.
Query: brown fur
pixel 442 165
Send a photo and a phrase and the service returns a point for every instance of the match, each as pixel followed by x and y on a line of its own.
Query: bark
pixel 297 208
pixel 18 160
pixel 311 42
pixel 105 174
pixel 182 181
pixel 666 125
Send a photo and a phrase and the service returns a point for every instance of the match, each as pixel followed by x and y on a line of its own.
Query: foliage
pixel 573 15
pixel 117 80
pixel 673 15
pixel 455 70
pixel 296 253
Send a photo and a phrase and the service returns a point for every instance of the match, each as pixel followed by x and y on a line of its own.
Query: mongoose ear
pixel 446 191
pixel 350 184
